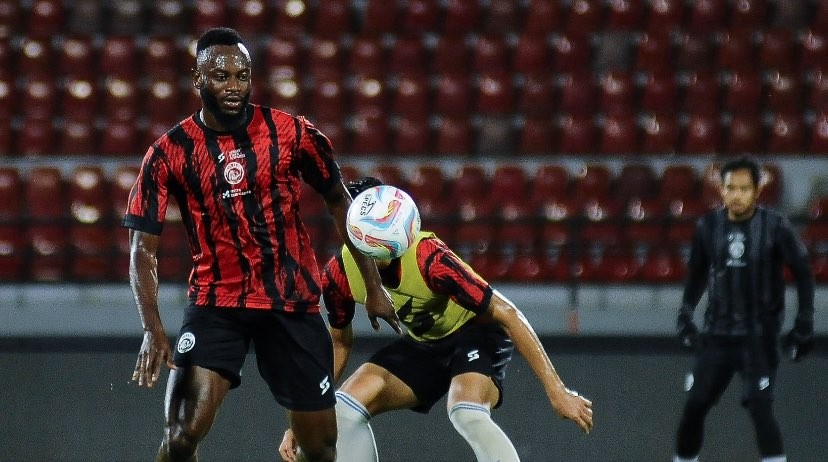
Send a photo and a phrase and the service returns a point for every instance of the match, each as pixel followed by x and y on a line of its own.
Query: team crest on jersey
pixel 234 173
pixel 186 342
pixel 736 249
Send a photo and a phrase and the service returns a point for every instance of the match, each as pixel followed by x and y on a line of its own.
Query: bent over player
pixel 460 339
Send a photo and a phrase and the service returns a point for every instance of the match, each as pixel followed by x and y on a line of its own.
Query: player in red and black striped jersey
pixel 460 337
pixel 234 168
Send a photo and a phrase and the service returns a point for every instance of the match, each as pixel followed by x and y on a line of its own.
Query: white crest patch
pixel 234 173
pixel 186 342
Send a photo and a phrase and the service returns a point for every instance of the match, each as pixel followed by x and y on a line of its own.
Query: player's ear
pixel 198 78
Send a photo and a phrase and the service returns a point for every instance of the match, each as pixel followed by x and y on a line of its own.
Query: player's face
pixel 223 81
pixel 739 194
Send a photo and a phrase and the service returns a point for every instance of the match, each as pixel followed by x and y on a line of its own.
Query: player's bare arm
pixel 378 303
pixel 143 277
pixel 567 403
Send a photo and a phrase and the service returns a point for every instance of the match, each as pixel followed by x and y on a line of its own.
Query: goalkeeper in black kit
pixel 738 254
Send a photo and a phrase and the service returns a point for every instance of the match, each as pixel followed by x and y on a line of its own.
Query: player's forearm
pixel 143 278
pixel 343 340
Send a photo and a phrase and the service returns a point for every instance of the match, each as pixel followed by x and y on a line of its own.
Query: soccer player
pixel 738 253
pixel 234 169
pixel 460 339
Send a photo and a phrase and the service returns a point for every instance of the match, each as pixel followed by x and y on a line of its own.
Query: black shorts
pixel 428 367
pixel 294 352
pixel 719 359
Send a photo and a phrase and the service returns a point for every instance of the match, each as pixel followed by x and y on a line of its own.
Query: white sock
pixel 489 443
pixel 781 458
pixel 355 439
pixel 686 459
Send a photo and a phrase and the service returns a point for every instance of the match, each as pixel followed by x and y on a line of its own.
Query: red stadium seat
pixel 452 95
pixel 532 55
pixel 542 17
pixel 501 17
pixel 251 17
pixel 411 96
pixel 786 134
pixel 121 99
pixel 616 93
pixel 784 92
pixel 420 16
pixel 636 181
pixel 706 15
pixel 390 173
pixel 327 100
pixel 495 94
pixel 664 16
pixel 35 57
pixel 536 96
pixel 737 52
pixel 538 135
pixel 292 19
pixel 550 181
pixel 577 134
pixel 163 101
pixel 490 53
pixel 451 55
pixel 573 53
pixel 118 57
pixel 702 93
pixel 818 93
pixel 653 53
pixel 662 266
pixel 745 135
pixel 453 136
pixel 678 181
pixel 379 18
pixel 208 14
pixel 369 97
pixel 120 138
pixel 92 249
pixel 11 189
pixel 10 18
pixel 771 182
pixel 694 53
pixel 162 58
pixel 659 134
pixel 167 17
pixel 45 195
pixel 578 94
pixel 813 52
pixel 333 19
pixel 778 50
pixel 819 134
pixel 7 100
pixel 412 135
pixel 584 18
pixel 89 195
pixel 36 137
pixel 427 181
pixel 13 250
pixel 78 137
pixel 6 136
pixel 367 58
pixel 407 55
pixel 369 133
pixel 39 98
pixel 474 243
pixel 743 93
pixel 748 14
pixel 460 18
pixel 592 180
pixel 325 58
pixel 659 94
pixel 80 100
pixel 508 182
pixel 45 19
pixel 122 181
pixel 702 135
pixel 625 15
pixel 77 57
pixel 619 134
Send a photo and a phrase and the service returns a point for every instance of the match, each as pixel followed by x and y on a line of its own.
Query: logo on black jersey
pixel 186 342
pixel 324 385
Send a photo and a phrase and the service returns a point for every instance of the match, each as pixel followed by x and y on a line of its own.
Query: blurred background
pixel 564 148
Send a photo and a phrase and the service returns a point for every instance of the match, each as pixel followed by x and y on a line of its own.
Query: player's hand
pixel 288 447
pixel 799 341
pixel 155 352
pixel 687 332
pixel 576 408
pixel 380 305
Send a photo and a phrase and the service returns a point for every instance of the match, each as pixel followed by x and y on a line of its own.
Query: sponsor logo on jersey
pixel 186 342
pixel 325 385
pixel 472 355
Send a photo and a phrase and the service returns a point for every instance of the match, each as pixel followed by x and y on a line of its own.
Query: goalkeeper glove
pixel 799 341
pixel 687 331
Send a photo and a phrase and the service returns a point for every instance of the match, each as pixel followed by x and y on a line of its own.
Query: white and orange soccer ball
pixel 383 222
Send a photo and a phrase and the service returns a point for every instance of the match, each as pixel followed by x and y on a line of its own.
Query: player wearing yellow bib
pixel 460 337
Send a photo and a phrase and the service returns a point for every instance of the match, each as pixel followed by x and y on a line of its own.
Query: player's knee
pixel 323 451
pixel 180 444
pixel 467 417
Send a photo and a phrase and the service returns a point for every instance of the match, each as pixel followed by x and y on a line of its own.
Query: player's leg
pixel 194 395
pixel 315 433
pixel 712 372
pixel 758 383
pixel 478 368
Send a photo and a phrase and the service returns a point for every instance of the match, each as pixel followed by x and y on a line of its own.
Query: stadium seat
pixel 35 137
pixel 369 97
pixel 508 183
pixel 120 138
pixel 10 18
pixel 625 15
pixel 664 16
pixel 745 135
pixel 659 93
pixel 784 92
pixel 11 189
pixel 378 18
pixel 537 135
pixel 327 100
pixel 332 20
pixel 578 94
pixel 120 99
pixel 460 18
pixel 495 135
pixel 474 243
pixel 771 182
pixel 77 137
pixel 452 95
pixel 453 136
pixel 35 57
pixel 411 96
pixel 6 136
pixel 208 14
pixel 737 52
pixel 653 53
pixel 408 54
pixel 778 50
pixel 619 134
pixel 687 209
pixel 813 53
pixel 572 53
pixel 702 93
pixel 162 58
pixel 7 100
pixel 251 17
pixel 45 19
pixel 163 101
pixel 369 133
pixel 494 93
pixel 490 53
pixel 593 180
pixel 584 18
pixel 501 17
pixel 532 55
pixel 536 96
pixel 635 181
pixel 818 143
pixel 818 93
pixel 80 100
pixel 662 266
pixel 748 14
pixel 542 17
pixel 659 134
pixel 678 181
pixel 786 134
pixel 325 58
pixel 705 16
pixel 13 250
pixel 367 58
pixel 39 101
pixel 702 135
pixel 412 135
pixel 743 93
pixel 118 57
pixel 577 134
pixel 419 16
pixel 76 56
pixel 451 54
pixel 616 93
pixel 167 17
pixel 549 181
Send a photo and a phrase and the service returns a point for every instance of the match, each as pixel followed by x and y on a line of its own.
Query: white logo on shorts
pixel 764 382
pixel 324 385
pixel 472 355
pixel 688 382
pixel 186 342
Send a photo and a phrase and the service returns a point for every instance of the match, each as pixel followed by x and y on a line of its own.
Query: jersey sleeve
pixel 796 257
pixel 698 267
pixel 316 159
pixel 336 293
pixel 147 203
pixel 446 274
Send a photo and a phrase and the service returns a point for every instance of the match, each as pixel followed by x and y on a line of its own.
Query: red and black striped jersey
pixel 239 194
pixel 443 272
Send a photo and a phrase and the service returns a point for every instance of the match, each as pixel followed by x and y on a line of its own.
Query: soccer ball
pixel 383 222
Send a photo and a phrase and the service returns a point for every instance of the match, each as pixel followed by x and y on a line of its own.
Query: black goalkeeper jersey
pixel 741 264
